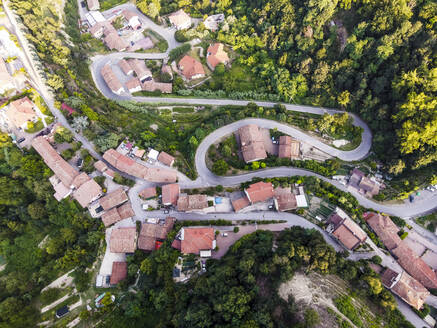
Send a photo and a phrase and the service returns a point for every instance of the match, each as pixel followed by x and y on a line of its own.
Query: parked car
pixel 224 234
pixel 83 4
pixel 21 140
pixel 79 162
pixel 411 198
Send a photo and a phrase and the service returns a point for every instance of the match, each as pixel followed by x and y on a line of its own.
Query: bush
pixel 236 229
pixel 180 36
pixel 123 181
pixel 220 167
pixel 178 52
pixel 68 154
pixel 376 259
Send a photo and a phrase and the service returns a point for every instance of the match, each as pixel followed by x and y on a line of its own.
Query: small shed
pixel 153 154
pixel 62 311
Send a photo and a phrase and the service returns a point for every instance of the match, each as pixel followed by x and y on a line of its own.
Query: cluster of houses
pixel 253 147
pixel 132 167
pixel 141 77
pixel 66 179
pixel 102 27
pixel 410 285
pixel 284 199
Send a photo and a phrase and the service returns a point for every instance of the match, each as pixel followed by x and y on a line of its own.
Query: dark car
pixel 411 198
pixel 83 4
pixel 21 140
pixel 79 162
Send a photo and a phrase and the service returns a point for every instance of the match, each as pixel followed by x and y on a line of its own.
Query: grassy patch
pixel 161 44
pixel 52 294
pixel 183 109
pixel 108 4
pixel 49 315
pixel 345 306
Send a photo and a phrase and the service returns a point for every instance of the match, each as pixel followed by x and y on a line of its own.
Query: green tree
pixel 220 167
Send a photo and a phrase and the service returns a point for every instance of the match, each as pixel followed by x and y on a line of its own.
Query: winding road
pixel 426 204
pixel 206 177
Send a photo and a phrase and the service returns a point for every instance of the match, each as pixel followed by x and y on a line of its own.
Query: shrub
pixel 178 52
pixel 68 154
pixel 50 295
pixel 376 259
pixel 236 229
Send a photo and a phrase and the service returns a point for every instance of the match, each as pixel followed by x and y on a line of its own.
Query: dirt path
pixel 62 281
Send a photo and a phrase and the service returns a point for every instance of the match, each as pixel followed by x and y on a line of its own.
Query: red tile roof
pixel 154 86
pixel 252 143
pixel 150 233
pixel 190 67
pixel 125 66
pixel 196 239
pixel 123 240
pixel 170 194
pixel 288 147
pixel 259 192
pixel 100 166
pixel 192 202
pixel 87 192
pixel 113 199
pixel 110 217
pixel 165 158
pixel 119 272
pixel 415 266
pixel 111 79
pixel 179 18
pixel 240 203
pixel 216 55
pixel 80 179
pixel 148 193
pixel 386 230
pixel 285 199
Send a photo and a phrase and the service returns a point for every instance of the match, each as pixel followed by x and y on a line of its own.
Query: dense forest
pixel 40 238
pixel 240 290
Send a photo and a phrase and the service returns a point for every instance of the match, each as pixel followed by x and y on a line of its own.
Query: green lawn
pixel 35 127
pixel 108 4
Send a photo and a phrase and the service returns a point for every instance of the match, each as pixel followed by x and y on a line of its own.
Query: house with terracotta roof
pixel 192 203
pixel 288 147
pixel 64 171
pixel 284 199
pixel 215 55
pixel 387 231
pixel 170 194
pixel 259 192
pixel 123 240
pixel 240 202
pixel 117 214
pixel 119 272
pixel 125 67
pixel 20 112
pixel 93 4
pixel 346 231
pixel 87 192
pixel 365 186
pixel 148 193
pixel 111 79
pixel 152 234
pixel 406 287
pixel 131 167
pixel 103 168
pixel 114 41
pixel 196 240
pixel 191 68
pixel 142 72
pixel 152 86
pixel 165 158
pixel 180 20
pixel 134 85
pixel 113 199
pixel 252 143
pixel 6 80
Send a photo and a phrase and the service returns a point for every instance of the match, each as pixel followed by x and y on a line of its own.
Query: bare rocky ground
pixel 317 292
